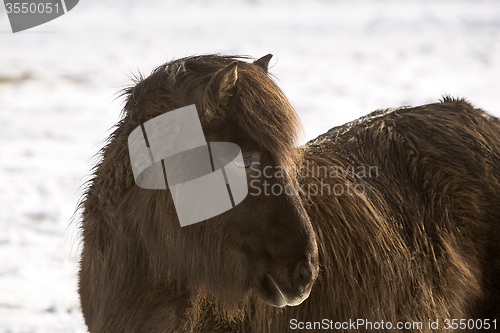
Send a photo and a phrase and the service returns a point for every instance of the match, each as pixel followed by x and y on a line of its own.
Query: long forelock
pixel 265 115
pixel 260 110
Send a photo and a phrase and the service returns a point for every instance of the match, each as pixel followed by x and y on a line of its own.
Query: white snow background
pixel 335 60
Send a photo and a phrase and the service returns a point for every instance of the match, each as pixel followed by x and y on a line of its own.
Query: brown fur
pixel 420 243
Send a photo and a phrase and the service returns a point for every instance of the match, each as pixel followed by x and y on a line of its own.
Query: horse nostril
pixel 302 275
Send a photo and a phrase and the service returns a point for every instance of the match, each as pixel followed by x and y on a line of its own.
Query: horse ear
pixel 263 62
pixel 220 89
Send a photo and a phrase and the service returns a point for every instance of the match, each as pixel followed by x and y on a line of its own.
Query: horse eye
pixel 247 162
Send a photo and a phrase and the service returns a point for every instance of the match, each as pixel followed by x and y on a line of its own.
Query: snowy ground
pixel 335 60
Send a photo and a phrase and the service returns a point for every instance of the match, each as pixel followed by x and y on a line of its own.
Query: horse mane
pixel 252 110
